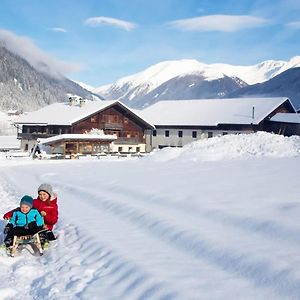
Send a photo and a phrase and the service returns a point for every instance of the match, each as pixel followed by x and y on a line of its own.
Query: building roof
pixel 66 114
pixel 82 137
pixel 286 118
pixel 211 112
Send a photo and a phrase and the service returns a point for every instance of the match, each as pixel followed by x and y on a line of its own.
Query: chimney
pixel 81 102
pixel 71 101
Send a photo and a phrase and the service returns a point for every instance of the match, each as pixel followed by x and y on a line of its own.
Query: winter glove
pixel 7 228
pixel 31 225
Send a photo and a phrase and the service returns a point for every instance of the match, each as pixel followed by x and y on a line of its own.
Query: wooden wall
pixel 113 120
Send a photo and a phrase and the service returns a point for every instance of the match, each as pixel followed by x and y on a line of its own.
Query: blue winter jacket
pixel 20 219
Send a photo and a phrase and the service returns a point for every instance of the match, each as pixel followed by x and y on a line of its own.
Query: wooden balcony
pixel 34 135
pixel 128 141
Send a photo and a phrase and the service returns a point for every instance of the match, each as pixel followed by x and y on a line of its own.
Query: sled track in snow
pixel 267 229
pixel 260 272
pixel 59 273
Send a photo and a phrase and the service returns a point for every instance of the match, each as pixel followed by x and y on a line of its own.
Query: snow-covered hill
pixel 165 227
pixel 133 88
pixel 286 84
pixel 24 87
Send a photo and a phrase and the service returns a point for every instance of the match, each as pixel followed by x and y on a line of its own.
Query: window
pixel 210 134
pixel 125 120
pixel 120 149
pixel 167 133
pixel 138 149
pixel 85 148
pixel 224 133
pixel 180 134
pixel 94 119
pixel 194 134
pixel 154 133
pixel 26 147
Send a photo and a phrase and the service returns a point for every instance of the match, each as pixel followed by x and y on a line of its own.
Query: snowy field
pixel 217 219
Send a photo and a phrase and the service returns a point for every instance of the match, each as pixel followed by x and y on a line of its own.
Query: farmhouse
pixel 180 122
pixel 68 128
pixel 94 127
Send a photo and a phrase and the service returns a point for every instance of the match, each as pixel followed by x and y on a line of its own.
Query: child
pixel 46 204
pixel 25 220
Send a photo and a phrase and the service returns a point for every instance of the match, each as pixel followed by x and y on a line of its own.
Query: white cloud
pixel 294 25
pixel 99 21
pixel 41 61
pixel 227 23
pixel 58 29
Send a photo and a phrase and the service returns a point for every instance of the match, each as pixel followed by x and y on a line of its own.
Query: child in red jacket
pixel 46 204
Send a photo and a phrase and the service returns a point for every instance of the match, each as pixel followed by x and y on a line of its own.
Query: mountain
pixel 190 87
pixel 189 78
pixel 23 87
pixel 285 84
pixel 84 85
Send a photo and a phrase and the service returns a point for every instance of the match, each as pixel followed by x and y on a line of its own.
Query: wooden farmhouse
pixel 84 127
pixel 179 122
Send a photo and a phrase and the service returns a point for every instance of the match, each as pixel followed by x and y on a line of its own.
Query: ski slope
pixel 165 226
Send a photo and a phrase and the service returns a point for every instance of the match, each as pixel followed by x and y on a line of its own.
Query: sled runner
pixel 33 240
pixel 36 241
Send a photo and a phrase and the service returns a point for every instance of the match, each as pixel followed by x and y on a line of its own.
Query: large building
pixel 179 122
pixel 64 128
pixel 174 123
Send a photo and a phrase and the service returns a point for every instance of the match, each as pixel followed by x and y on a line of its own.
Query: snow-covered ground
pixel 217 219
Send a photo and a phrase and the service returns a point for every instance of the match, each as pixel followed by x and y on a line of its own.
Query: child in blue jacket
pixel 24 221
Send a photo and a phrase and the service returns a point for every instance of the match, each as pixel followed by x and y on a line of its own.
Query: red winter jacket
pixel 51 211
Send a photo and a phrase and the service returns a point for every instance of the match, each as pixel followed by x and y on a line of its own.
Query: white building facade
pixel 180 122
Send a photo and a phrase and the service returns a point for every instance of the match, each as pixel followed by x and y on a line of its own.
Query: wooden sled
pixel 34 240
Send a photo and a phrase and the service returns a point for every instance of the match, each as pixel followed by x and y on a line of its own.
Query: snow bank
pixel 242 146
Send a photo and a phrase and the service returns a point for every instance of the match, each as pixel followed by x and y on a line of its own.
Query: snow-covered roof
pixel 86 137
pixel 66 114
pixel 286 118
pixel 211 112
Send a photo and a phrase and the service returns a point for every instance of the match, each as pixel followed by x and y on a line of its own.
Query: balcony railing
pixel 128 141
pixel 34 136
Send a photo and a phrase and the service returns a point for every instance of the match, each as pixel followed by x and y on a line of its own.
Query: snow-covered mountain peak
pixel 162 72
pixel 294 62
pixel 174 78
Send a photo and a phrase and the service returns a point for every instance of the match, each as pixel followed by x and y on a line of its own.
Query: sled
pixel 33 240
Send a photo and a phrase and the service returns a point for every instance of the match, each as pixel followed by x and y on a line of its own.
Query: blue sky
pixel 99 41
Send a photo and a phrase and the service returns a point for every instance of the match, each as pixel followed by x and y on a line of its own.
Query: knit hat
pixel 26 200
pixel 46 187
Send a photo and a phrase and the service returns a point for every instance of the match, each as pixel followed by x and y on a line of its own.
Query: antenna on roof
pixel 253 112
